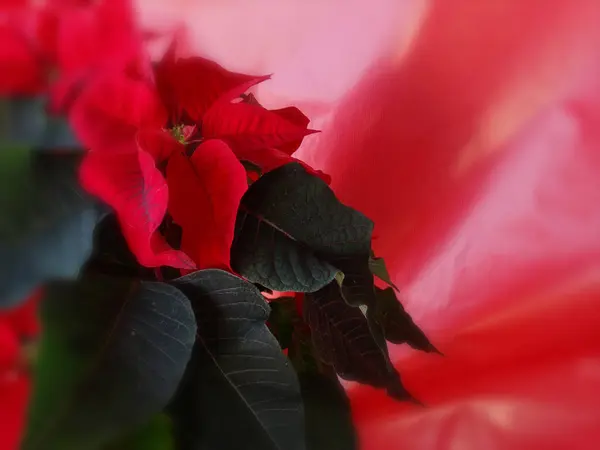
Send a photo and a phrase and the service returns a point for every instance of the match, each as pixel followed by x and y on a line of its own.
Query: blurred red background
pixel 470 132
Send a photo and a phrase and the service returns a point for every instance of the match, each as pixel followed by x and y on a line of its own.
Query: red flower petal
pixel 20 69
pixel 9 346
pixel 131 184
pixel 14 392
pixel 158 143
pixel 248 127
pixel 295 116
pixel 192 85
pixel 112 108
pixel 206 190
pixel 24 319
pixel 93 35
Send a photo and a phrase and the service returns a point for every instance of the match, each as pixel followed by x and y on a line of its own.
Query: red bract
pixel 129 181
pixel 199 91
pixel 15 325
pixel 112 108
pixel 206 190
pixel 247 128
pixel 21 66
pixel 191 85
pixel 84 37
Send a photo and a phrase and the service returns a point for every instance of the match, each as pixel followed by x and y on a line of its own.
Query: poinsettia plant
pixel 202 287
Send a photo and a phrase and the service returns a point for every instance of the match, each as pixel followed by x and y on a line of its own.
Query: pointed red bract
pixel 158 143
pixel 83 38
pixel 192 85
pixel 297 117
pixel 247 128
pixel 112 108
pixel 129 182
pixel 206 190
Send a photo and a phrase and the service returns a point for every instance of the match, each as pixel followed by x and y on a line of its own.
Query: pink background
pixel 469 130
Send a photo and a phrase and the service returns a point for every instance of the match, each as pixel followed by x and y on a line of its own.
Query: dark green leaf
pixel 24 122
pixel 267 256
pixel 379 269
pixel 47 221
pixel 398 327
pixel 357 286
pixel 240 390
pixel 155 435
pixel 342 338
pixel 112 355
pixel 111 255
pixel 327 409
pixel 281 319
pixel 290 226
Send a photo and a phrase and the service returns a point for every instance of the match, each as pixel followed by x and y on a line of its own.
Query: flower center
pixel 178 133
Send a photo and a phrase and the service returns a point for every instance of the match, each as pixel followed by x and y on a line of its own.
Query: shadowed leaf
pixel 343 339
pixel 47 221
pixel 379 269
pixel 327 409
pixel 240 391
pixel 155 435
pixel 24 122
pixel 265 255
pixel 112 355
pixel 291 229
pixel 398 327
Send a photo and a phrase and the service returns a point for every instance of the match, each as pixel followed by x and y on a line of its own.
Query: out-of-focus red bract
pixel 16 326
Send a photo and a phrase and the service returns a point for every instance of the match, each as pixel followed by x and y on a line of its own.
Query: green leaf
pixel 291 230
pixel 327 409
pixel 342 338
pixel 239 390
pixel 24 122
pixel 155 435
pixel 112 354
pixel 112 255
pixel 379 269
pixel 281 319
pixel 267 256
pixel 397 325
pixel 47 221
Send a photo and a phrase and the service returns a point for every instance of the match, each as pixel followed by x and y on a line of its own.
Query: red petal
pixel 131 184
pixel 248 127
pixel 24 318
pixel 158 143
pixel 89 36
pixel 112 108
pixel 9 346
pixel 295 116
pixel 14 391
pixel 192 85
pixel 206 190
pixel 20 69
